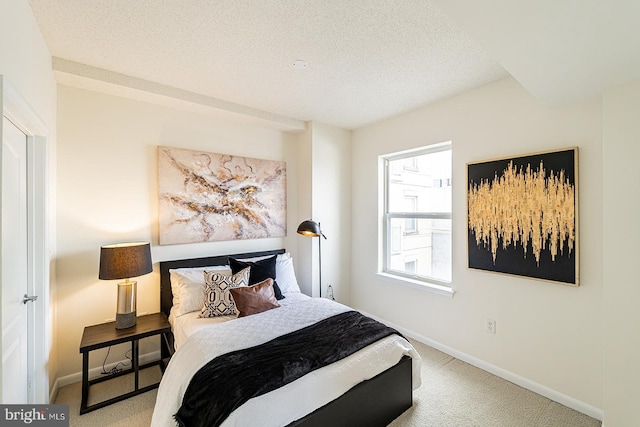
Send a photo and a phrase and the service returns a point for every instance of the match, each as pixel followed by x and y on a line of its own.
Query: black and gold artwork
pixel 523 216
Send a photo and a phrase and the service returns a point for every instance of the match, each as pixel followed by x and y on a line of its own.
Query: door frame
pixel 15 108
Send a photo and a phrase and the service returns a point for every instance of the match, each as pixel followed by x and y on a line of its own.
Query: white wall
pixel 107 192
pixel 548 333
pixel 331 206
pixel 306 266
pixel 621 149
pixel 324 195
pixel 26 62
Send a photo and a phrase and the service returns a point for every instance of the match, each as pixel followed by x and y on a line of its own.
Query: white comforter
pixel 294 400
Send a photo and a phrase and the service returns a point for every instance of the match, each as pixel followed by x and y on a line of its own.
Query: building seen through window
pixel 417 214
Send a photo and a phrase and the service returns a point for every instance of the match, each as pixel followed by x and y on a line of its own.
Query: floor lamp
pixel 312 229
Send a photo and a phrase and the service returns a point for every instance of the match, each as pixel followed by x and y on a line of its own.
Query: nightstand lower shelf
pixel 84 407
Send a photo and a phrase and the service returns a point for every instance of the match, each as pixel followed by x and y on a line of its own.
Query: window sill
pixel 417 284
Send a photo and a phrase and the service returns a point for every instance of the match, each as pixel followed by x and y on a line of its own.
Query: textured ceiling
pixel 367 59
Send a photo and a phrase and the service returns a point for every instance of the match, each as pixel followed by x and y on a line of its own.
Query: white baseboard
pixel 94 372
pixel 540 389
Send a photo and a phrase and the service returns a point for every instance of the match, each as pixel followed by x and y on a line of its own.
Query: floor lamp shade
pixel 311 228
pixel 124 261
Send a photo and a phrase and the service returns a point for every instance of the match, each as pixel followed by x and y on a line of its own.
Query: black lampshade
pixel 309 228
pixel 125 260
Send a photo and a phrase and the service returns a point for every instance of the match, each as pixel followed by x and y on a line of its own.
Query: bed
pixel 374 394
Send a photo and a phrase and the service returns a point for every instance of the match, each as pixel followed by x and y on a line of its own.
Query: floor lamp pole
pixel 320 263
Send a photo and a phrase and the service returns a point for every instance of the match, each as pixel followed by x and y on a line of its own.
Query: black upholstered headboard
pixel 166 296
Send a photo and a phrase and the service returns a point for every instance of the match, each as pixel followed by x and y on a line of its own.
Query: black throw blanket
pixel 229 380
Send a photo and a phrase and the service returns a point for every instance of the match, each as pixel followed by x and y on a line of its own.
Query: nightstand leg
pixel 135 350
pixel 85 381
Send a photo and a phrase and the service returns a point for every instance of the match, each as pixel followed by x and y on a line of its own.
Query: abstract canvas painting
pixel 205 197
pixel 523 216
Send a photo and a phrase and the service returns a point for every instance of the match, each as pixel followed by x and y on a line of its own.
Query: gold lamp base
pixel 126 307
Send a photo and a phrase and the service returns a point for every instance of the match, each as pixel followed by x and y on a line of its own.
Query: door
pixel 15 280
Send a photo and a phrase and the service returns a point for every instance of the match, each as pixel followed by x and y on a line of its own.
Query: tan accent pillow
pixel 187 286
pixel 255 299
pixel 217 299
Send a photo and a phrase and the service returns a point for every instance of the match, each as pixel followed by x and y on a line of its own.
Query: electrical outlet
pixel 491 326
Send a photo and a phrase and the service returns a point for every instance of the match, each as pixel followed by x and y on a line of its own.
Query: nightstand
pixel 105 335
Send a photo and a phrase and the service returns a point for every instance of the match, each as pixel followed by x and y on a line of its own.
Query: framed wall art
pixel 523 216
pixel 205 197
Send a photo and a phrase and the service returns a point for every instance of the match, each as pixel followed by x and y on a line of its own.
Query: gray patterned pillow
pixel 217 298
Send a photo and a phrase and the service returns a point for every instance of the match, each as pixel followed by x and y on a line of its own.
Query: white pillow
pixel 187 286
pixel 285 275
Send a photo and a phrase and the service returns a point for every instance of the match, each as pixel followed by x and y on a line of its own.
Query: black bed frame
pixel 372 403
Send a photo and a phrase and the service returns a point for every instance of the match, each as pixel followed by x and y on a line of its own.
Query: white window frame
pixel 420 282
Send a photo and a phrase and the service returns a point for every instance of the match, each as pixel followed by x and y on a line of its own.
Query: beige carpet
pixel 453 393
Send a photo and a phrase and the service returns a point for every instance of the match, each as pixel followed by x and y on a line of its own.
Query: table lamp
pixel 124 261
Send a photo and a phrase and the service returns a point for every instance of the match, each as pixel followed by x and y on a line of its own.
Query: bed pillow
pixel 260 270
pixel 285 275
pixel 255 299
pixel 187 287
pixel 259 258
pixel 218 300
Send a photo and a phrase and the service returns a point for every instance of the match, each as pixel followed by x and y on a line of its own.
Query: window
pixel 411 205
pixel 417 214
